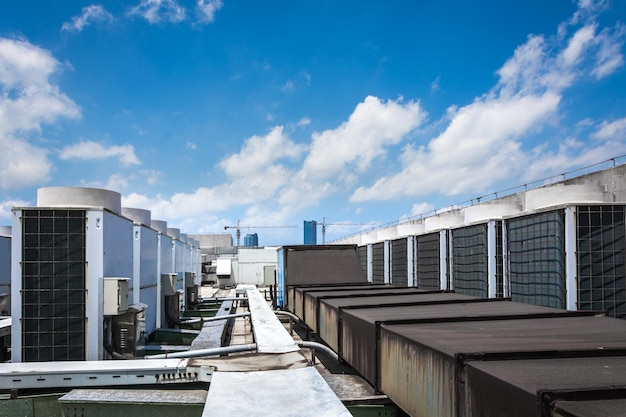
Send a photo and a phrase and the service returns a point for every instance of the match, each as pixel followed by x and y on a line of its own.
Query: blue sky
pixel 210 112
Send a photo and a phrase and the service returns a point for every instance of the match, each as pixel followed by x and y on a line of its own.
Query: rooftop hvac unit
pixel 115 296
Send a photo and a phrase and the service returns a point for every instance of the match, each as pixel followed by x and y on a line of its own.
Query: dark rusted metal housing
pixel 424 365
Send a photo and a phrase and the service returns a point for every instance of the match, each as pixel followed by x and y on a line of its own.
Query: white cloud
pixel 156 11
pixel 27 100
pixel 89 150
pixel 206 10
pixel 483 142
pixel 615 130
pixel 371 128
pixel 259 152
pixel 89 15
pixel 190 145
pixel 22 164
pixel 5 210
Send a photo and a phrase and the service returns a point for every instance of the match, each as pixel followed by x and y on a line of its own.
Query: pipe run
pixel 319 346
pixel 214 318
pixel 205 352
pixel 288 314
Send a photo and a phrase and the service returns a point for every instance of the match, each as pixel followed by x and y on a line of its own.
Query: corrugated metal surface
pixel 399 262
pixel 330 310
pixel 359 325
pixel 510 387
pixel 438 345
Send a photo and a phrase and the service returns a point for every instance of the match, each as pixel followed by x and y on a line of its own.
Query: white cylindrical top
pixel 137 215
pixel 70 197
pixel 159 226
pixel 173 232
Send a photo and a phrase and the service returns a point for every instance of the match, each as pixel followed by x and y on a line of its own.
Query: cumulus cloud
pixel 259 152
pixel 90 14
pixel 156 11
pixel 28 99
pixel 89 150
pixel 483 142
pixel 612 130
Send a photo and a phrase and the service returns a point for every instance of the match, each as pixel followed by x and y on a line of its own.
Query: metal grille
pixel 378 263
pixel 537 259
pixel 53 285
pixel 428 261
pixel 362 254
pixel 600 259
pixel 469 260
pixel 399 262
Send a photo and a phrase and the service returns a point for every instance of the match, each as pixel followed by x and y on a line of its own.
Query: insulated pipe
pixel 225 317
pixel 215 318
pixel 315 345
pixel 288 314
pixel 205 352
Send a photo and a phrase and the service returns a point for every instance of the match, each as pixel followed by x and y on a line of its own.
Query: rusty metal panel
pixel 359 325
pixel 330 309
pixel 300 291
pixel 511 387
pixel 489 339
pixel 322 264
pixel 417 379
pixel 312 298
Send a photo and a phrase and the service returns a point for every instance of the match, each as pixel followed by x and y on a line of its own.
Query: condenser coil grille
pixel 53 285
pixel 399 262
pixel 378 263
pixel 537 259
pixel 469 260
pixel 600 255
pixel 428 261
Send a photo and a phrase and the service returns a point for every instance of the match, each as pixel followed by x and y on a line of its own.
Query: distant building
pixel 251 240
pixel 310 232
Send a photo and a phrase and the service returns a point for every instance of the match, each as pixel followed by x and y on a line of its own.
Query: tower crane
pixel 324 224
pixel 239 227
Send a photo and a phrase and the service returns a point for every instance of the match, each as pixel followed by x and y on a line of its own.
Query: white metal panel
pixel 224 267
pixel 95 273
pixel 5 271
pixel 269 333
pixel 16 279
pixel 571 283
pixel 491 259
pixel 298 392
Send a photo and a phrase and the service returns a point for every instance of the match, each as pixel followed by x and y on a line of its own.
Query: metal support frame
pixel 31 375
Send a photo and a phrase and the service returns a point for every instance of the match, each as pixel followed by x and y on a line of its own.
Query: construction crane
pixel 239 227
pixel 324 224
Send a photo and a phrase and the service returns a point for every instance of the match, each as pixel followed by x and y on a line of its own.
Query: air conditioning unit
pixel 115 296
